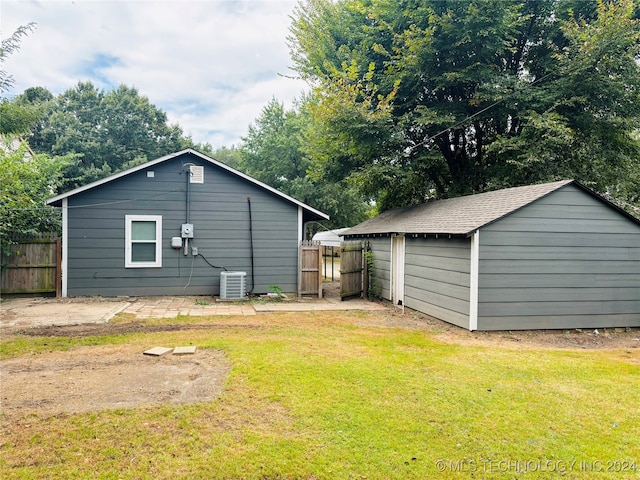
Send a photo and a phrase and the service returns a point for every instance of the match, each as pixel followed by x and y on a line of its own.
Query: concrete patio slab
pixel 38 312
pixel 171 307
pixel 41 312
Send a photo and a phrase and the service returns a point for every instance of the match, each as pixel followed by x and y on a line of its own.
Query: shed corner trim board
pixel 473 281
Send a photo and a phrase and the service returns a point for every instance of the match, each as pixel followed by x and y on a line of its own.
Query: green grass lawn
pixel 316 396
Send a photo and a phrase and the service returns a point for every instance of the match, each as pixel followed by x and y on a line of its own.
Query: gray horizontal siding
pixel 573 226
pixel 437 278
pixel 558 239
pixel 565 322
pixel 515 308
pixel 220 215
pixel 436 311
pixel 544 280
pixel 381 250
pixel 568 253
pixel 560 294
pixel 557 266
pixel 565 261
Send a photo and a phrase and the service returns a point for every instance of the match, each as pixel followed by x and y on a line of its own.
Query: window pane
pixel 142 230
pixel 143 252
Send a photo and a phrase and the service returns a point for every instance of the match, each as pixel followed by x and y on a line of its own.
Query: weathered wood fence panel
pixel 352 270
pixel 310 268
pixel 32 265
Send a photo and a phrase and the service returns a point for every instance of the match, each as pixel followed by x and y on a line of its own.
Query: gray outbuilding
pixel 548 256
pixel 172 225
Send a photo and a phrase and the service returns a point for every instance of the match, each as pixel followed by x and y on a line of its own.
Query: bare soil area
pixel 108 377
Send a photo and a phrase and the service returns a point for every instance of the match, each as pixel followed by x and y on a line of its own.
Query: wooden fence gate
pixel 32 265
pixel 353 270
pixel 310 282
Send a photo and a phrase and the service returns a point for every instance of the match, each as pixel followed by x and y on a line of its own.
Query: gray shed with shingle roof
pixel 554 255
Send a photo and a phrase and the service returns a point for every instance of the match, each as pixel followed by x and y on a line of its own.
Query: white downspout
pixel 65 244
pixel 473 284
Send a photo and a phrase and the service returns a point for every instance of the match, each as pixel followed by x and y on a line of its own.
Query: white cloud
pixel 211 65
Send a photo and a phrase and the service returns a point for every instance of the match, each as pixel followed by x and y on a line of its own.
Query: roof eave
pixel 410 234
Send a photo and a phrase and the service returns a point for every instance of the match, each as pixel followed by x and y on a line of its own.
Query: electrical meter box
pixel 187 230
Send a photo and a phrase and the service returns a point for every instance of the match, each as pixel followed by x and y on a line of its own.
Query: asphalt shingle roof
pixel 456 216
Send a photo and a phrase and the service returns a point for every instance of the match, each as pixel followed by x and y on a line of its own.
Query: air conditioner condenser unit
pixel 233 285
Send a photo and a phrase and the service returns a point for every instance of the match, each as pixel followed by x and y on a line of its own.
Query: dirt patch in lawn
pixel 109 377
pixel 96 330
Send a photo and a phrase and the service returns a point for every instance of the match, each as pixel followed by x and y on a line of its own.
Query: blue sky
pixel 211 65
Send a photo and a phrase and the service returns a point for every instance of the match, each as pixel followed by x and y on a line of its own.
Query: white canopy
pixel 329 238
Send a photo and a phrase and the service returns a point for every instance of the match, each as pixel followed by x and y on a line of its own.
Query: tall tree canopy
pixel 437 98
pixel 272 153
pixel 108 131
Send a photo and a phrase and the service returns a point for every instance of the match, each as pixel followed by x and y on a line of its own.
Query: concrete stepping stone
pixel 184 350
pixel 157 351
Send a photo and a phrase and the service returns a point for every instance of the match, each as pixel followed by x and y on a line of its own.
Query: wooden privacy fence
pixel 310 282
pixel 353 270
pixel 32 265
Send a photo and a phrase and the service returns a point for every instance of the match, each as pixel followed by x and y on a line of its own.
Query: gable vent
pixel 197 174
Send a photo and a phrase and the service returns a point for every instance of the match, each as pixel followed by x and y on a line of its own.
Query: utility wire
pixel 115 202
pixel 209 263
pixel 479 112
pixel 125 201
pixel 498 102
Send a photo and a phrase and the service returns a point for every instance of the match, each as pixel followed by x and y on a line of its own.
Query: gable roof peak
pixel 57 200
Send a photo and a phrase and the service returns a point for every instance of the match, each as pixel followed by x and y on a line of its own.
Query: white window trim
pixel 128 263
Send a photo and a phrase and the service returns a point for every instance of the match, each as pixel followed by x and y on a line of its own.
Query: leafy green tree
pixel 26 181
pixel 422 99
pixel 229 156
pixel 109 131
pixel 272 153
pixel 8 47
pixel 270 147
pixel 15 118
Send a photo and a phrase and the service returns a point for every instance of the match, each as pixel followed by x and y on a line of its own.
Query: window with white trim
pixel 143 241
